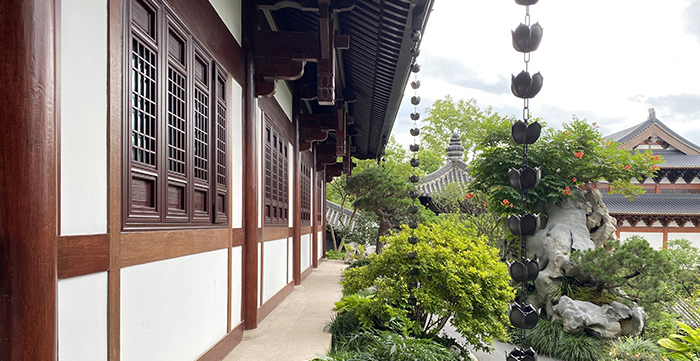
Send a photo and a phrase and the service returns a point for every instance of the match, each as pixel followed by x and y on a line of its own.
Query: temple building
pixel 163 162
pixel 670 208
pixel 454 170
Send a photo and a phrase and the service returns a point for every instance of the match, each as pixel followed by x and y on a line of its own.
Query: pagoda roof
pixel 653 204
pixel 631 137
pixel 452 171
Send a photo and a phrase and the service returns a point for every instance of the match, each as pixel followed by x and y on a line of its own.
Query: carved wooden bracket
pixel 314 128
pixel 282 55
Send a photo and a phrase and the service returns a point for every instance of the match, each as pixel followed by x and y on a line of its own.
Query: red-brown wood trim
pixel 222 348
pixel 296 194
pixel 114 178
pixel 659 229
pixel 250 169
pixel 307 230
pixel 275 233
pixel 306 273
pixel 82 255
pixel 275 300
pixel 238 237
pixel 665 239
pixel 204 22
pixel 279 117
pixel 57 107
pixel 28 276
pixel 314 211
pixel 145 247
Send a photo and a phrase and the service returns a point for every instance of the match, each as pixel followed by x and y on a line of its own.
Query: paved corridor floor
pixel 293 331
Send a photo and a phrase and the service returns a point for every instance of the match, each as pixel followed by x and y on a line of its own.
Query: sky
pixel 608 61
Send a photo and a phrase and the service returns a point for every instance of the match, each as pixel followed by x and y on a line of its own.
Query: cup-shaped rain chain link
pixel 412 256
pixel 526 39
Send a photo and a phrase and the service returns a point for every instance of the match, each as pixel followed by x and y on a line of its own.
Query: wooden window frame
pixel 306 189
pixel 184 185
pixel 276 175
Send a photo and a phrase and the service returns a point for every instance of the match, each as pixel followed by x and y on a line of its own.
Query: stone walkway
pixel 293 331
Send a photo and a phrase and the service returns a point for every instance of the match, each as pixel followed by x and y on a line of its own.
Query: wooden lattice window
pixel 320 197
pixel 175 125
pixel 305 194
pixel 276 176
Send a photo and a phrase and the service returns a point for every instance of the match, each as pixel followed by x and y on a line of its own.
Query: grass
pixel 331 254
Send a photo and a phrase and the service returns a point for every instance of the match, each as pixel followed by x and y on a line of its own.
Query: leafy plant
pixel 461 280
pixel 549 339
pixel 683 347
pixel 389 346
pixel 579 348
pixel 634 349
pixel 569 158
pixel 331 254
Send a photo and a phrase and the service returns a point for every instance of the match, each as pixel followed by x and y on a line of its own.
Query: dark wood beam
pixel 28 153
pixel 305 5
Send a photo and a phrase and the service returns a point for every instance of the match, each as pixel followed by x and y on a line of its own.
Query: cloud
pixel 691 19
pixel 684 105
pixel 453 71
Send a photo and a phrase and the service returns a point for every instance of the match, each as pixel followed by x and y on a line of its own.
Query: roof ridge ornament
pixel 455 150
pixel 652 113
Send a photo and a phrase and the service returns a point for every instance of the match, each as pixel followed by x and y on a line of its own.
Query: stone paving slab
pixel 293 331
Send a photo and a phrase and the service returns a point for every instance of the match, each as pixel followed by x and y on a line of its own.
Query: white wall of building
pixel 236 141
pixel 319 239
pixel 82 318
pixel 290 260
pixel 656 240
pixel 694 238
pixel 174 309
pixel 230 12
pixel 236 285
pixel 290 183
pixel 305 251
pixel 83 91
pixel 274 267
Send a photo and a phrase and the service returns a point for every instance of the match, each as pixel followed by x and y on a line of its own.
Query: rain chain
pixel 414 179
pixel 526 38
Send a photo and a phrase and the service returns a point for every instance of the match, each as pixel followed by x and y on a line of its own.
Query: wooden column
pixel 296 212
pixel 250 171
pixel 28 275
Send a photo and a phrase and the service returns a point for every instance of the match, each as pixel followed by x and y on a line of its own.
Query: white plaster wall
pixel 260 255
pixel 694 238
pixel 274 267
pixel 319 239
pixel 656 240
pixel 236 285
pixel 284 97
pixel 236 136
pixel 290 260
pixel 174 309
pixel 305 252
pixel 82 318
pixel 230 12
pixel 83 90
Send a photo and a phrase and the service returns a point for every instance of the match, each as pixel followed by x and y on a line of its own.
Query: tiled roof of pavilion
pixel 657 204
pixel 631 137
pixel 455 170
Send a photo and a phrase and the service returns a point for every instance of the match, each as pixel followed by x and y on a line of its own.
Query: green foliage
pixel 389 346
pixel 360 263
pixel 683 347
pixel 331 254
pixel 591 295
pixel 549 339
pixel 568 158
pixel 430 160
pixel 641 272
pixel 364 231
pixel 686 260
pixel 460 278
pixel 446 116
pixel 634 349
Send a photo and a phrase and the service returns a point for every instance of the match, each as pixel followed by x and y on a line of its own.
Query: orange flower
pixel 486 204
pixel 656 167
pixel 627 167
pixel 511 205
pixel 579 155
pixel 567 191
pixel 574 179
pixel 469 195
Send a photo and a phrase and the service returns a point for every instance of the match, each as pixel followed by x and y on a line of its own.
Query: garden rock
pixel 357 251
pixel 564 232
pixel 599 222
pixel 605 322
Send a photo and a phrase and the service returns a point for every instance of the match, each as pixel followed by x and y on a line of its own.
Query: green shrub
pixel 389 346
pixel 685 346
pixel 634 349
pixel 549 339
pixel 461 280
pixel 591 295
pixel 331 254
pixel 360 263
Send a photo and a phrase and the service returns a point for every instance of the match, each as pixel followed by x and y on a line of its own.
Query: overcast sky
pixel 608 61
